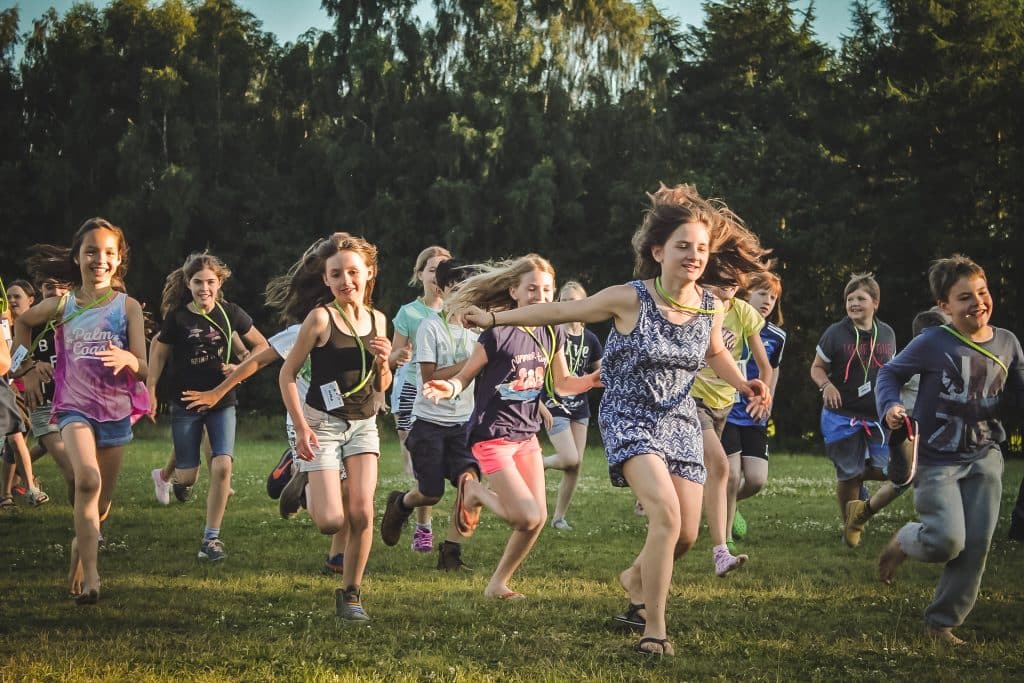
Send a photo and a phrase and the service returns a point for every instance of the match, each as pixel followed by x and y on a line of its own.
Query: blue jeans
pixel 187 433
pixel 958 506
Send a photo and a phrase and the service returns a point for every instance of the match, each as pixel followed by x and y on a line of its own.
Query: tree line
pixel 498 128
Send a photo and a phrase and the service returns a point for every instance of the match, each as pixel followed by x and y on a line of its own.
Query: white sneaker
pixel 560 524
pixel 161 488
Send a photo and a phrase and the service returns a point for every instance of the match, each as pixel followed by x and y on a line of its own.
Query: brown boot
pixel 449 558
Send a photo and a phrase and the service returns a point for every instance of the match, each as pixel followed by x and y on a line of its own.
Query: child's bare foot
pixel 75 572
pixel 630 581
pixel 502 593
pixel 889 561
pixel 944 636
pixel 466 511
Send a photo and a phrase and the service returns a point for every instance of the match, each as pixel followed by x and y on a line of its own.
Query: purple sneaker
pixel 423 540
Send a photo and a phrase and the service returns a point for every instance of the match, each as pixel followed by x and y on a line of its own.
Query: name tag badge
pixel 18 356
pixel 864 389
pixel 6 324
pixel 332 396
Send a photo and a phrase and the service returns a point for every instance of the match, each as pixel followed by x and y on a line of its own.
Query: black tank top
pixel 338 361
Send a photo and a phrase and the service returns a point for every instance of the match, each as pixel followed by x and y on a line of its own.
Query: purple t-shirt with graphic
pixel 509 388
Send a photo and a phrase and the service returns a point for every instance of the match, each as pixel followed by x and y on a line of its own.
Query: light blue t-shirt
pixel 407 321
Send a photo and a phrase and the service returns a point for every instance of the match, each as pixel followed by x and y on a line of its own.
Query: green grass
pixel 805 607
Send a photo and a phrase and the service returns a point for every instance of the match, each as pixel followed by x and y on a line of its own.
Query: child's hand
pixel 594 378
pixel 380 347
pixel 33 384
pixel 830 397
pixel 117 359
pixel 45 371
pixel 201 400
pixel 227 368
pixel 894 416
pixel 436 389
pixel 153 405
pixel 403 355
pixel 546 417
pixel 305 442
pixel 476 317
pixel 759 397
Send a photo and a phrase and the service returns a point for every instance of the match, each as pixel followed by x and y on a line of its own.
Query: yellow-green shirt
pixel 741 321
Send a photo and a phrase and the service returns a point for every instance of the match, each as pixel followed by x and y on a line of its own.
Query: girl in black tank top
pixel 343 336
pixel 344 361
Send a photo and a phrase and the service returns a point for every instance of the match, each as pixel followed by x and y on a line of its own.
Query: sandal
pixel 36 497
pixel 466 520
pixel 666 647
pixel 91 597
pixel 7 503
pixel 632 618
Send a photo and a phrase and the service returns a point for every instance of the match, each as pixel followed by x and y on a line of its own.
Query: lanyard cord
pixel 53 323
pixel 575 364
pixel 675 304
pixel 362 351
pixel 979 349
pixel 5 305
pixel 549 378
pixel 229 333
pixel 856 352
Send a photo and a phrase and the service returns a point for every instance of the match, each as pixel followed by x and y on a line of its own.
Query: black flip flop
pixel 631 617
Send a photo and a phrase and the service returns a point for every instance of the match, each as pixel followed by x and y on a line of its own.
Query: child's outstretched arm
pixel 764 366
pixel 253 363
pixel 568 384
pixel 438 389
pixel 618 302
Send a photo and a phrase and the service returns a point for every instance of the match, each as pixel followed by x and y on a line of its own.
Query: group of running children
pixel 479 363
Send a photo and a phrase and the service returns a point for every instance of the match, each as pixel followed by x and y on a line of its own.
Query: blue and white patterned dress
pixel 647 375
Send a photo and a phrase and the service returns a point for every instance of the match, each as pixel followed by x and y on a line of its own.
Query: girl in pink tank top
pixel 101 362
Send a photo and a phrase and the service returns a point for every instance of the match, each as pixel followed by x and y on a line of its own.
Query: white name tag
pixel 6 324
pixel 18 356
pixel 864 389
pixel 332 396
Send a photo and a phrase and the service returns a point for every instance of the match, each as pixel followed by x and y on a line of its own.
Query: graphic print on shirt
pixel 525 380
pixel 206 348
pixel 967 380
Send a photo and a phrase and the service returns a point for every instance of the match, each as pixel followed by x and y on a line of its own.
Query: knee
pixel 734 478
pixel 529 517
pixel 943 547
pixel 753 484
pixel 359 519
pixel 664 518
pixel 220 467
pixel 330 525
pixel 684 543
pixel 88 483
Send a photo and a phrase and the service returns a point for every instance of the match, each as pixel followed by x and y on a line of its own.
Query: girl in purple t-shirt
pixel 503 428
pixel 101 359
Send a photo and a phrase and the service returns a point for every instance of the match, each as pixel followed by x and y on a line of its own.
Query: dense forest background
pixel 499 127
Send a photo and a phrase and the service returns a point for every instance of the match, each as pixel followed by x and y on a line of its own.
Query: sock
pixel 426 527
pixel 209 533
pixel 867 507
pixel 720 549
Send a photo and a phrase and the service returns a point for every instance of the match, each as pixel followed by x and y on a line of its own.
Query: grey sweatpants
pixel 958 506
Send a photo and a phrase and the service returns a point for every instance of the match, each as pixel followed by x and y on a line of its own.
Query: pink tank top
pixel 81 383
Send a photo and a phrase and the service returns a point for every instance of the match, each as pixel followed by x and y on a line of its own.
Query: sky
pixel 288 19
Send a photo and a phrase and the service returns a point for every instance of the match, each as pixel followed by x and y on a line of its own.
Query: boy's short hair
pixel 944 273
pixel 452 272
pixel 926 319
pixel 865 281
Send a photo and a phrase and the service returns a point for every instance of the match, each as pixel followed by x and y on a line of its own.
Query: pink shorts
pixel 500 454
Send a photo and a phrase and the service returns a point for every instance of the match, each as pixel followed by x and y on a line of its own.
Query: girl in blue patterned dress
pixel 666 327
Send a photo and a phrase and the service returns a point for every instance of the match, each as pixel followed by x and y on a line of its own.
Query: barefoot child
pixel 965 368
pixel 101 349
pixel 506 416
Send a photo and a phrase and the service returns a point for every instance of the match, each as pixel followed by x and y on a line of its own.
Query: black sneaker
pixel 348 605
pixel 449 558
pixel 280 475
pixel 181 492
pixel 395 517
pixel 293 495
pixel 1016 532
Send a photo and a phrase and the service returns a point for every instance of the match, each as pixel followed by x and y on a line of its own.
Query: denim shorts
pixel 107 434
pixel 41 425
pixel 339 438
pixel 559 423
pixel 187 433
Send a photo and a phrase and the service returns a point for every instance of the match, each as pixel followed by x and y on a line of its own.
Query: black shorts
pixel 749 441
pixel 439 452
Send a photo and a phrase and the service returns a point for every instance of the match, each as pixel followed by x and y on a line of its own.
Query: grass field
pixel 804 608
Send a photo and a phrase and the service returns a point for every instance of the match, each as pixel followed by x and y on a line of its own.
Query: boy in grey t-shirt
pixel 966 367
pixel 437 440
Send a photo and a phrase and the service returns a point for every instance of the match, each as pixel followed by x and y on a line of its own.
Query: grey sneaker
pixel 560 524
pixel 212 550
pixel 293 495
pixel 348 606
pixel 395 517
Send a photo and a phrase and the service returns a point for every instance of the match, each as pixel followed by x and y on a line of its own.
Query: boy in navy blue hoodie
pixel 965 369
